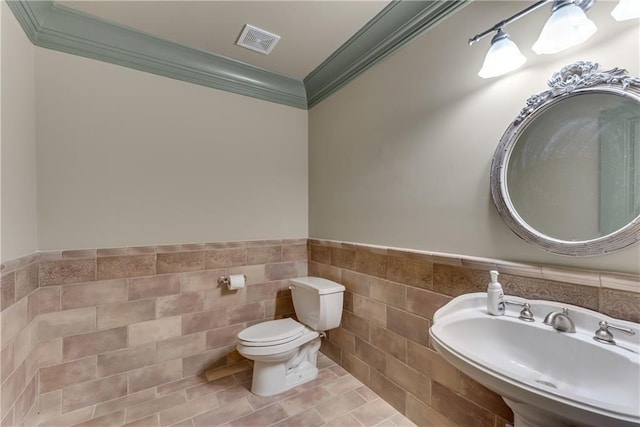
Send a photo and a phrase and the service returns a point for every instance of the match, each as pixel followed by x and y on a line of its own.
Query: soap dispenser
pixel 495 296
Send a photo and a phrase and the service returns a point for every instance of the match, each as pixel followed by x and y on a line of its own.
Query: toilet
pixel 285 351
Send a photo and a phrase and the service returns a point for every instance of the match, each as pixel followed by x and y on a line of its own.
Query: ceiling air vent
pixel 258 40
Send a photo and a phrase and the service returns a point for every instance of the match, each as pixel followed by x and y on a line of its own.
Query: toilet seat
pixel 271 333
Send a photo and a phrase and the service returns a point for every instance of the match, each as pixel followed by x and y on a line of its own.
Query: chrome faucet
pixel 525 313
pixel 560 321
pixel 604 335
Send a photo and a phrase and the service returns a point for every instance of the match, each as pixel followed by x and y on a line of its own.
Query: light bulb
pixel 626 9
pixel 567 26
pixel 503 56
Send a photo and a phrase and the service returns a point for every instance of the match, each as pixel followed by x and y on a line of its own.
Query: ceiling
pixel 325 43
pixel 310 30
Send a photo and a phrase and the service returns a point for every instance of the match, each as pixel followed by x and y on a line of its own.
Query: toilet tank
pixel 317 302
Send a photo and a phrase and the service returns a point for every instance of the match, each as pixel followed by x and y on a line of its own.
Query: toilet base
pixel 279 374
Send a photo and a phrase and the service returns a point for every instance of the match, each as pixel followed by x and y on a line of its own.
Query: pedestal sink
pixel 548 378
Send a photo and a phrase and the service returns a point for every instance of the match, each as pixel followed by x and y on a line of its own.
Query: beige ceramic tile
pixel 154 286
pixel 370 355
pixel 210 387
pixel 320 254
pixel 94 293
pixel 206 320
pixel 49 299
pixel 285 270
pixel 387 390
pixel 188 410
pixel 268 290
pixel 152 376
pixel 388 292
pixel 114 315
pixel 26 281
pixel 409 379
pixel 228 257
pixel 432 365
pixel 424 415
pixel 25 401
pixel 179 385
pixel 343 338
pixel 14 319
pixel 8 290
pixel 408 325
pixel 66 272
pixel 245 313
pixel 355 282
pixel 220 297
pixel 181 346
pixel 425 303
pixel 458 409
pixel 179 262
pixel 620 282
pixel 116 267
pixel 155 330
pixel 308 418
pixel 92 392
pixel 342 385
pixel 201 280
pixel 620 304
pixel 58 376
pixel 304 400
pixel 264 254
pixel 173 305
pixel 12 388
pixel 66 323
pixel 145 409
pixel 69 418
pixel 127 359
pixel 371 263
pixel 123 402
pixel 343 258
pixel 356 325
pixel 223 414
pixel 150 421
pixel 409 271
pixel 223 336
pixel 108 420
pixel 368 308
pixel 482 396
pixel 199 363
pixel 347 420
pixel 294 252
pixel 262 417
pixel 77 346
pixel 374 412
pixel 391 343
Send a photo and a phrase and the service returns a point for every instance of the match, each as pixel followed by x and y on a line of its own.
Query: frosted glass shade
pixel 568 26
pixel 503 56
pixel 626 9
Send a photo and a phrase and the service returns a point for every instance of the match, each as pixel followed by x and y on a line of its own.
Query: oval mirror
pixel 566 175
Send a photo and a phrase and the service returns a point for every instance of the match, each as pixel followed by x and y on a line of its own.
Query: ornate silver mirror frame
pixel 575 79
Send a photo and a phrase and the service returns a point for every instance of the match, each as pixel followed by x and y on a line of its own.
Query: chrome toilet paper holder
pixel 225 281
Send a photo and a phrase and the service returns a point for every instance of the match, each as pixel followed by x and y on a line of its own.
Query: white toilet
pixel 285 351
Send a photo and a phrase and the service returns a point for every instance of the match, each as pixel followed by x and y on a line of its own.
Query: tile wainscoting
pixel 390 300
pixel 91 331
pixel 87 333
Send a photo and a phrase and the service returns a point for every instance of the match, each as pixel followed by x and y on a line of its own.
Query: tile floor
pixel 335 398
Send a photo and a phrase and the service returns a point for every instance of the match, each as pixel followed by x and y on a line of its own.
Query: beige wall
pixel 129 158
pixel 18 143
pixel 401 155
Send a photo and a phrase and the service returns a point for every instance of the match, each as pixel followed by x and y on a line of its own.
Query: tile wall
pixel 389 305
pixel 93 331
pixel 87 333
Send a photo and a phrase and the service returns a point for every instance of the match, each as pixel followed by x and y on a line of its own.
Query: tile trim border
pixel 54 26
pixel 592 278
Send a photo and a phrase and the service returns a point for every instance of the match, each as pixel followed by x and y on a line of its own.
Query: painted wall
pixel 401 156
pixel 128 158
pixel 18 176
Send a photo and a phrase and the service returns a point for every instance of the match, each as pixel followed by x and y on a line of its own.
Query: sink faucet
pixel 560 321
pixel 604 335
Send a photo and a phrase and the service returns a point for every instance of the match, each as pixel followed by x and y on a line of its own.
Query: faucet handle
pixel 525 313
pixel 604 335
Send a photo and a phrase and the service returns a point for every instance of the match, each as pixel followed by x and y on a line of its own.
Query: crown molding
pixel 396 25
pixel 54 26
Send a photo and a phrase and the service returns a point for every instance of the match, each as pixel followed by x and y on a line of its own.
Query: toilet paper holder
pixel 226 281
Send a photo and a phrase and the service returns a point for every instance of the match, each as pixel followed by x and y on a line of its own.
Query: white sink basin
pixel 548 378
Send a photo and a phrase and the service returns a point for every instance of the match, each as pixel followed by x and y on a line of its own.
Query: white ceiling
pixel 310 30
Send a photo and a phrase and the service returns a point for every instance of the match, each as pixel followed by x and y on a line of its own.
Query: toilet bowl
pixel 285 351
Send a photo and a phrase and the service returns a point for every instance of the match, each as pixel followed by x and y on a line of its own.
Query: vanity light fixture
pixel 626 9
pixel 567 26
pixel 503 56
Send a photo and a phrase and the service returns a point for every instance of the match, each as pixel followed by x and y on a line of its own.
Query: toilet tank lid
pixel 323 286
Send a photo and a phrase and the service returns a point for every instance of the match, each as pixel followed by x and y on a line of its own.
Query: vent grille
pixel 257 40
